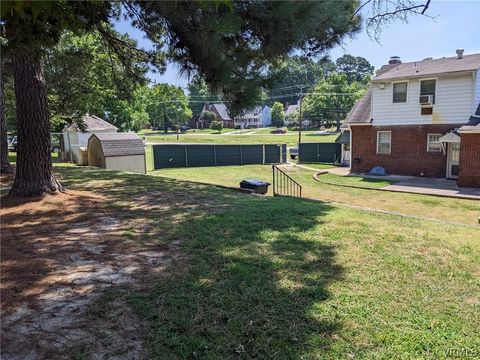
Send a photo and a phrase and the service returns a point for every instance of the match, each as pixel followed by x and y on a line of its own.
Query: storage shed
pixel 74 138
pixel 117 151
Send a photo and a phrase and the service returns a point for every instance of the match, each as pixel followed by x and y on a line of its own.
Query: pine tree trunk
pixel 5 167
pixel 34 173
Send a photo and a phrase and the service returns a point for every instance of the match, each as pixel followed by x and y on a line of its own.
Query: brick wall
pixel 469 175
pixel 409 154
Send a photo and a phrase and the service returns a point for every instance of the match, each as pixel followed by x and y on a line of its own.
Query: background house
pixel 255 117
pixel 74 138
pixel 221 114
pixel 419 118
pixel 291 115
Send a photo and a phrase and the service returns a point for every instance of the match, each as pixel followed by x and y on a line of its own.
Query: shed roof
pixel 120 144
pixel 93 123
pixel 431 67
pixel 252 112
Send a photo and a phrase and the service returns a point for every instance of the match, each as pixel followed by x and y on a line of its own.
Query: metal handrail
pixel 284 185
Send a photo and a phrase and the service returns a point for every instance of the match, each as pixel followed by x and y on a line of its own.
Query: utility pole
pixel 300 117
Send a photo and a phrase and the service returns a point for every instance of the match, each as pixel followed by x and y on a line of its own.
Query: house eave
pixel 418 76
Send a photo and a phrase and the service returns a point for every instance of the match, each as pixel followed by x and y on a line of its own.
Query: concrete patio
pixel 440 187
pixel 418 185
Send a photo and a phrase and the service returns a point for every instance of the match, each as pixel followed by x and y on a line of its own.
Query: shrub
pixel 208 116
pixel 216 125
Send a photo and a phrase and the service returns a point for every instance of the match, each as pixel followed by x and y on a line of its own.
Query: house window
pixel 427 87
pixel 400 92
pixel 384 142
pixel 433 143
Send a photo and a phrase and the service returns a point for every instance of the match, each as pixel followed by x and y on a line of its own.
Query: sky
pixel 456 24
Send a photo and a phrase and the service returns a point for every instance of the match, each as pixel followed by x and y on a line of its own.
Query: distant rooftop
pixel 93 123
pixel 292 109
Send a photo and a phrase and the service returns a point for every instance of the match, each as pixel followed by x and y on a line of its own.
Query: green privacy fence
pixel 320 152
pixel 193 155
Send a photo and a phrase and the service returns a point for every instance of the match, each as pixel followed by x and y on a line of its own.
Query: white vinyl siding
pixel 453 103
pixel 384 142
pixel 477 91
pixel 433 145
pixel 131 163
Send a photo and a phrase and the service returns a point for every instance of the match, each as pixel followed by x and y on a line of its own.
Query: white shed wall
pixel 131 163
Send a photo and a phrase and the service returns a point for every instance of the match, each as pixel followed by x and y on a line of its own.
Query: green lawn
pixel 355 181
pixel 12 157
pixel 291 138
pixel 319 166
pixel 280 278
pixel 458 210
pixel 150 132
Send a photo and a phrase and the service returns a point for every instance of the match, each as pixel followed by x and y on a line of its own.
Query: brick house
pixel 221 114
pixel 420 119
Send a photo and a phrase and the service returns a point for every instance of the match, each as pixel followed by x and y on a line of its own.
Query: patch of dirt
pixel 60 255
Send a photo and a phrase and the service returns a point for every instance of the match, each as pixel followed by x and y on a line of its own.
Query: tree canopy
pixel 331 99
pixel 232 43
pixel 167 106
pixel 83 76
pixel 356 68
pixel 296 73
pixel 278 115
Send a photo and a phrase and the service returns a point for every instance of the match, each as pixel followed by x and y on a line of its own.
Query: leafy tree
pixel 84 77
pixel 217 126
pixel 355 68
pixel 167 106
pixel 332 99
pixel 297 73
pixel 278 114
pixel 199 94
pixel 208 116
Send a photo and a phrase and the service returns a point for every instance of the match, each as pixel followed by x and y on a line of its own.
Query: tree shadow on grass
pixel 249 274
pixel 254 276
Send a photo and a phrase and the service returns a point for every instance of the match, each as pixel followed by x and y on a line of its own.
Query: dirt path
pixel 60 256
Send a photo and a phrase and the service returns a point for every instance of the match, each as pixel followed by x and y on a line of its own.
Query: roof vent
pixel 459 53
pixel 394 60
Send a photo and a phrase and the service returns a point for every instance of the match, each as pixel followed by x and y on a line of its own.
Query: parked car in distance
pixel 278 131
pixel 12 143
pixel 293 153
pixel 184 128
pixel 56 148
